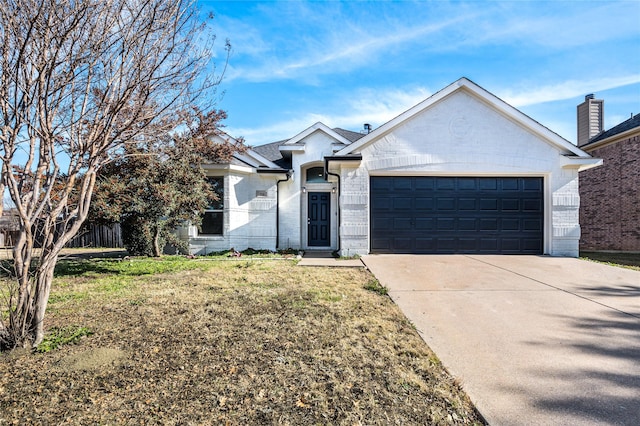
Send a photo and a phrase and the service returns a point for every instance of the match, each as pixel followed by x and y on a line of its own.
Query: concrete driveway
pixel 534 340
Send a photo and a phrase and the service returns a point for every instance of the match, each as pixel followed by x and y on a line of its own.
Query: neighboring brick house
pixel 609 194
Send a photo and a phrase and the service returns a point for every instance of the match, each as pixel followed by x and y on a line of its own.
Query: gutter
pixel 274 171
pixel 288 173
pixel 353 157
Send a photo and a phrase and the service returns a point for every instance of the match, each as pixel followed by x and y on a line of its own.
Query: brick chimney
pixel 590 119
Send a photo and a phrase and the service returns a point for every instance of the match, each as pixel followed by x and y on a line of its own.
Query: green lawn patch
pixel 625 260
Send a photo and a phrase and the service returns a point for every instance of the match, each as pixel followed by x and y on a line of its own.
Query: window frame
pixel 323 178
pixel 216 207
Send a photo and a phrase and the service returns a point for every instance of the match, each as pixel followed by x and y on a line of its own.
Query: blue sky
pixel 348 63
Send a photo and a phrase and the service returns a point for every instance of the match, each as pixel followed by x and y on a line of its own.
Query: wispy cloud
pixel 356 48
pixel 564 90
pixel 332 40
pixel 365 106
pixel 318 56
pixel 561 25
pixel 376 107
pixel 339 44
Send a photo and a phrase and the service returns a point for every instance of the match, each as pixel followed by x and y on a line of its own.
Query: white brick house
pixel 461 172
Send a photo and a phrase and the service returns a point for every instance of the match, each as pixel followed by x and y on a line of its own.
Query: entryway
pixel 318 220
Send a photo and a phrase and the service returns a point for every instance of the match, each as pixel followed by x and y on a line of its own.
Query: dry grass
pixel 238 343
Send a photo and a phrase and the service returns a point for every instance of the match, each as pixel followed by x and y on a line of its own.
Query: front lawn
pixel 242 342
pixel 625 260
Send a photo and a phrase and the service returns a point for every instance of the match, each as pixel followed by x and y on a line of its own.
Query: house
pixel 461 172
pixel 609 195
pixel 9 227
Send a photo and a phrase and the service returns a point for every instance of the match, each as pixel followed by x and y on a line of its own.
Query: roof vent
pixel 589 96
pixel 367 128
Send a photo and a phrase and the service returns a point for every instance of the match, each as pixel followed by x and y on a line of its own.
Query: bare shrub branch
pixel 78 81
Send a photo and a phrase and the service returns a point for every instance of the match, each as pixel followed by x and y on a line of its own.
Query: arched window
pixel 315 174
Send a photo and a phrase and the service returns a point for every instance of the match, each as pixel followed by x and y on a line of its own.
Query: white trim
pixel 493 101
pixel 326 187
pixel 316 127
pixel 299 147
pixel 547 220
pixel 249 156
pixel 254 159
pixel 228 167
pixel 582 163
pixel 547 199
pixel 618 137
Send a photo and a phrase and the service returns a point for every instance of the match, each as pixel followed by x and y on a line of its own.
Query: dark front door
pixel 318 220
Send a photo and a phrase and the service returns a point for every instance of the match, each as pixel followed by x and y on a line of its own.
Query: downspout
pixel 328 173
pixel 278 208
pixel 352 157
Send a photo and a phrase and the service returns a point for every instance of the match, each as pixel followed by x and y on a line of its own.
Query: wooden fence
pixel 107 236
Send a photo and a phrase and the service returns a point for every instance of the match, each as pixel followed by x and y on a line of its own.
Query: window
pixel 315 174
pixel 213 215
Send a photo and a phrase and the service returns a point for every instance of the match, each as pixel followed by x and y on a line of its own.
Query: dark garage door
pixel 423 214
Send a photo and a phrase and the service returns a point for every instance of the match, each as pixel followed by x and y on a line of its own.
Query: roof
pixel 250 158
pixel 496 103
pixel 629 124
pixel 271 151
pixel 348 134
pixel 9 221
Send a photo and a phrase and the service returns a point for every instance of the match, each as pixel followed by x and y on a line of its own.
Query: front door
pixel 318 219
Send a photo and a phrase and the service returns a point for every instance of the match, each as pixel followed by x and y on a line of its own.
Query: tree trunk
pixel 157 250
pixel 44 278
pixel 74 92
pixel 19 316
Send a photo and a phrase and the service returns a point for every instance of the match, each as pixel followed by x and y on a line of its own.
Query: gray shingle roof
pixel 271 151
pixel 629 124
pixel 348 134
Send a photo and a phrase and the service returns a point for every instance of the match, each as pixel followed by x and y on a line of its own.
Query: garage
pixel 436 214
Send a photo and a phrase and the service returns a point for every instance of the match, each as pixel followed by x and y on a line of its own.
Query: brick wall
pixel 610 198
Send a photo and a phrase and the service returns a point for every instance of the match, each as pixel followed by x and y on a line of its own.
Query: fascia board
pixel 229 167
pixel 389 125
pixel 225 137
pixel 493 101
pixel 524 120
pixel 316 127
pixel 612 139
pixel 255 159
pixel 249 156
pixel 582 163
pixel 292 148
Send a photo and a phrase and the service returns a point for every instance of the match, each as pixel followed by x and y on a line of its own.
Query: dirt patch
pixel 98 359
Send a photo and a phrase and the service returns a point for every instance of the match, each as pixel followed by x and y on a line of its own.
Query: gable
pixel 461 129
pixel 318 128
pixel 467 119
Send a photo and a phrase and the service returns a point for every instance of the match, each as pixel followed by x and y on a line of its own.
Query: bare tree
pixel 78 81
